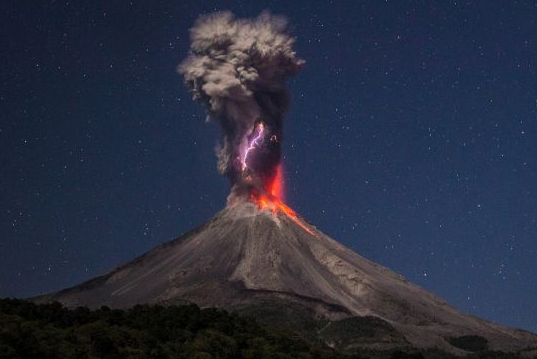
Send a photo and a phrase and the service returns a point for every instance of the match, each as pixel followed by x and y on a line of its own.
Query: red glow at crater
pixel 276 187
pixel 273 200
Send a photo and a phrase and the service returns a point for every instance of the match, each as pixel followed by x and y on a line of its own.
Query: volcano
pixel 257 254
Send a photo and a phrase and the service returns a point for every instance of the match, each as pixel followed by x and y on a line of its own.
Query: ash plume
pixel 238 68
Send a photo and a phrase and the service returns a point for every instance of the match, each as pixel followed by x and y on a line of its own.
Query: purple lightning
pixel 260 129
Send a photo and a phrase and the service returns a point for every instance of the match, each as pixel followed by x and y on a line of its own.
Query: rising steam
pixel 237 68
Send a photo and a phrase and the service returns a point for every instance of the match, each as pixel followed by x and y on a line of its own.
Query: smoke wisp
pixel 238 68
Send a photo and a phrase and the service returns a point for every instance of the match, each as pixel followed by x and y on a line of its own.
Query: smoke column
pixel 238 68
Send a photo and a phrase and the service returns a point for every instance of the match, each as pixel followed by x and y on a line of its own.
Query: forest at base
pixel 29 330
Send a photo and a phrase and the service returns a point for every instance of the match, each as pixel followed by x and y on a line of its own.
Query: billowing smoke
pixel 238 68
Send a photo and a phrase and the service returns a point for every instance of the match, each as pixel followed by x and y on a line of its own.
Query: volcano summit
pixel 257 256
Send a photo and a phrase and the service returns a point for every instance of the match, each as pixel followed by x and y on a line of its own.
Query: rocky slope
pixel 246 257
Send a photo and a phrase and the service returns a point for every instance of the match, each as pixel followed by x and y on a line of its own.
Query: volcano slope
pixel 272 263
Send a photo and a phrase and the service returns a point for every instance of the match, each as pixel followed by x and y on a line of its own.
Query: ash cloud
pixel 238 68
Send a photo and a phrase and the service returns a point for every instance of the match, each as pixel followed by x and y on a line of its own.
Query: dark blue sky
pixel 411 139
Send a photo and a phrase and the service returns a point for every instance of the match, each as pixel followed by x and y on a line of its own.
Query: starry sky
pixel 411 139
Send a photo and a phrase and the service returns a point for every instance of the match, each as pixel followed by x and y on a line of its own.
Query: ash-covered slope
pixel 246 255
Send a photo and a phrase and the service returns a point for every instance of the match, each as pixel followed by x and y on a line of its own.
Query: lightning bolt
pixel 260 129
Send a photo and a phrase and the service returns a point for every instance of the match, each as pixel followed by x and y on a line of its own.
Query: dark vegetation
pixel 52 331
pixel 28 330
pixel 351 335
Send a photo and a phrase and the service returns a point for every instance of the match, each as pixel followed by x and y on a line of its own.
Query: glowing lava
pixel 275 205
pixel 276 187
pixel 273 200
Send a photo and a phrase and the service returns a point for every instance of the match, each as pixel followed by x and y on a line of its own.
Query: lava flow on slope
pixel 272 200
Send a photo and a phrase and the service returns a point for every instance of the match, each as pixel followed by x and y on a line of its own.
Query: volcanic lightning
pixel 238 68
pixel 260 129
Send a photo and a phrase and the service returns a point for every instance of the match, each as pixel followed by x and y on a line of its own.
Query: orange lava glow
pixel 276 187
pixel 273 200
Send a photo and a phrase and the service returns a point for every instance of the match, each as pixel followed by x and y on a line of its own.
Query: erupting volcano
pixel 257 255
pixel 238 69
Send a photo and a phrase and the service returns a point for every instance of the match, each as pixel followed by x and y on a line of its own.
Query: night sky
pixel 412 139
